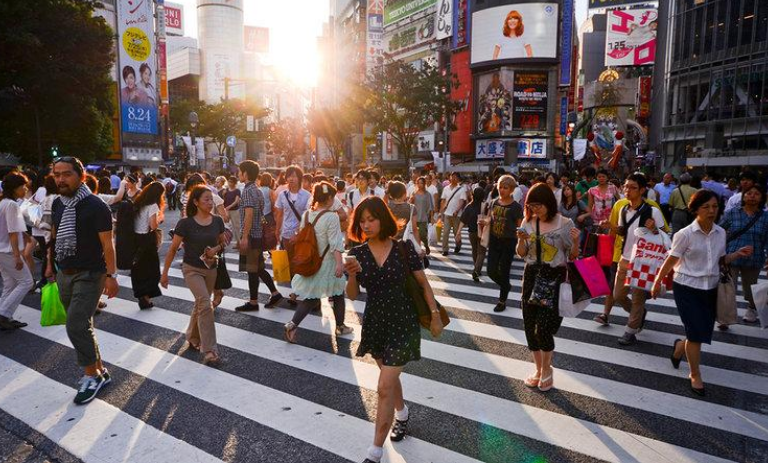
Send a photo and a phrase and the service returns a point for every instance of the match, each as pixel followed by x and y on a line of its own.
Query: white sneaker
pixel 750 316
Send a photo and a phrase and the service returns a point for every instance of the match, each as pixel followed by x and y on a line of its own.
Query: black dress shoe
pixel 458 248
pixel 273 300
pixel 699 391
pixel 247 307
pixel 7 325
pixel 675 361
pixel 17 323
pixel 143 305
pixel 399 430
pixel 500 307
pixel 475 277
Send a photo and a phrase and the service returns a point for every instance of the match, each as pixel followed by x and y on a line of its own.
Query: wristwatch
pixel 112 275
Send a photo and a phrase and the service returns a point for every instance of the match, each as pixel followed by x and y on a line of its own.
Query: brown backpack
pixel 306 259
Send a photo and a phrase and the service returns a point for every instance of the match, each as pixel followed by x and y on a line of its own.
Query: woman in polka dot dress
pixel 391 332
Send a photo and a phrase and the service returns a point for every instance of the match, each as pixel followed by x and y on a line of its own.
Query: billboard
pixel 494 102
pixel 395 10
pixel 461 23
pixel 630 38
pixel 444 19
pixel 529 100
pixel 136 43
pixel 566 44
pixel 174 15
pixel 595 4
pixel 412 36
pixel 490 149
pixel 375 38
pixel 255 39
pixel 518 31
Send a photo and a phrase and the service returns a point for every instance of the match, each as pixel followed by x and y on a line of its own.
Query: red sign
pixel 644 96
pixel 256 39
pixel 173 21
pixel 460 141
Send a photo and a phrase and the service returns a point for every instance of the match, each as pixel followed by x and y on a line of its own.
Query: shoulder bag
pixel 726 296
pixel 414 289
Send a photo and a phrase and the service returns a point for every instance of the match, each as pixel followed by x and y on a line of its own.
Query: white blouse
pixel 141 224
pixel 699 254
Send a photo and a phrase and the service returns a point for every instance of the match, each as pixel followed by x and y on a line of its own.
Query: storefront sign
pixel 375 35
pixel 461 24
pixel 563 114
pixel 174 15
pixel 401 40
pixel 136 44
pixel 532 148
pixel 566 44
pixel 644 96
pixel 490 149
pixel 399 9
pixel 444 19
pixel 529 101
pixel 630 38
pixel 595 4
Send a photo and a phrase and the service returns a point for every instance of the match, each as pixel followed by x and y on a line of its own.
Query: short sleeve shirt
pixel 197 237
pixel 11 221
pixel 452 204
pixel 141 224
pixel 253 199
pixel 93 217
pixel 291 223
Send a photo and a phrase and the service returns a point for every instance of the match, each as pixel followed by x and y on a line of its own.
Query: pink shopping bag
pixel 592 274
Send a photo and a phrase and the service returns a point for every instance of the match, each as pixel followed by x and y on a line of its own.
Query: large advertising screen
pixel 519 31
pixel 630 39
pixel 138 96
pixel 529 100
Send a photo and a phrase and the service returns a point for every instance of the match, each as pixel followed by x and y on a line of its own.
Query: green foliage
pixel 404 101
pixel 56 60
pixel 334 126
pixel 288 138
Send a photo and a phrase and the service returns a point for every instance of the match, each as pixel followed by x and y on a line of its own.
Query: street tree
pixel 55 86
pixel 334 126
pixel 288 138
pixel 403 100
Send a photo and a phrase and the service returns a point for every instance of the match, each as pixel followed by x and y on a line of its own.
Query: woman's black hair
pixel 542 194
pixel 197 192
pixel 554 176
pixel 51 188
pixel 760 189
pixel 699 198
pixel 396 190
pixel 105 184
pixel 11 181
pixel 154 193
pixel 378 210
pixel 192 181
pixel 322 191
pixel 478 195
pixel 564 200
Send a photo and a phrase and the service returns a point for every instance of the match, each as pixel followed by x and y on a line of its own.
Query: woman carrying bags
pixel 391 332
pixel 145 271
pixel 203 236
pixel 329 280
pixel 505 217
pixel 546 241
pixel 697 253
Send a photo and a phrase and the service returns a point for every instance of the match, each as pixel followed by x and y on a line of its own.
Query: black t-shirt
pixel 469 216
pixel 504 219
pixel 230 196
pixel 197 237
pixel 93 217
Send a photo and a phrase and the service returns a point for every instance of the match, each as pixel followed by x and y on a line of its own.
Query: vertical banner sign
pixel 138 96
pixel 566 44
pixel 529 100
pixel 444 19
pixel 162 61
pixel 563 114
pixel 375 37
pixel 630 39
pixel 644 97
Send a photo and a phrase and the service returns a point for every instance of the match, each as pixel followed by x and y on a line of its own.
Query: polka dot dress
pixel 391 329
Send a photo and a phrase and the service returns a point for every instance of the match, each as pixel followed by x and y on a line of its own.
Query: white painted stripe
pixel 678 407
pixel 346 436
pixel 562 431
pixel 637 360
pixel 96 433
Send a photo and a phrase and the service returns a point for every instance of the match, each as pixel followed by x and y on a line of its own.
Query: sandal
pixel 532 381
pixel 211 359
pixel 218 295
pixel 547 383
pixel 289 332
pixel 194 347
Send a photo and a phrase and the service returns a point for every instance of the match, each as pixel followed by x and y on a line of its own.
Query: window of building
pixel 710 22
pixel 734 21
pixel 748 22
pixel 697 27
pixel 687 34
pixel 722 11
pixel 761 26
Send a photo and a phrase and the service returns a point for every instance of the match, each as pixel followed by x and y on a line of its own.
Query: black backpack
pixel 125 237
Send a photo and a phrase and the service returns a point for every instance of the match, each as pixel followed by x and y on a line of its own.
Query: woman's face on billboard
pixel 130 80
pixel 513 22
pixel 146 75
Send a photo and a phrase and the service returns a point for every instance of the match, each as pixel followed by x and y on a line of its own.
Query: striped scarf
pixel 66 235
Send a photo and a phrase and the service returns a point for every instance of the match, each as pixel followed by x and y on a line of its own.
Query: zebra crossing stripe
pixel 98 433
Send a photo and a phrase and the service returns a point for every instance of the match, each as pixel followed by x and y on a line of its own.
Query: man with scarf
pixel 84 259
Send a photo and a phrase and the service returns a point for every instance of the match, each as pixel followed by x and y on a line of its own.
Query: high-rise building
pixel 220 34
pixel 715 84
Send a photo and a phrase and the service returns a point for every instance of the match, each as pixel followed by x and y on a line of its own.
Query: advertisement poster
pixel 414 35
pixel 494 102
pixel 515 32
pixel 630 39
pixel 174 15
pixel 375 38
pixel 644 96
pixel 461 23
pixel 444 19
pixel 138 96
pixel 529 100
pixel 400 9
pixel 256 39
pixel 490 149
pixel 594 4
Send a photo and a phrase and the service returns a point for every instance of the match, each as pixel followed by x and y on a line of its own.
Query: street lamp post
pixel 193 122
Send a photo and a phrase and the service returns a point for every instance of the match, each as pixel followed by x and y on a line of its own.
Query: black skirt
pixel 145 272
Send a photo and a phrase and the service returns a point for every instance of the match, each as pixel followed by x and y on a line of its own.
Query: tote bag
pixel 52 310
pixel 567 307
pixel 726 298
pixel 592 273
pixel 281 269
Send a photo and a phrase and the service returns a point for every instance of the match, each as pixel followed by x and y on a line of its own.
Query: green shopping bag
pixel 52 312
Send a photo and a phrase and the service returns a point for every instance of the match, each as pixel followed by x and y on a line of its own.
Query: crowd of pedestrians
pixel 367 231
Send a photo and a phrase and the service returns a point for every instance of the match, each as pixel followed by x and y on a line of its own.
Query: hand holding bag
pixel 414 289
pixel 567 307
pixel 726 296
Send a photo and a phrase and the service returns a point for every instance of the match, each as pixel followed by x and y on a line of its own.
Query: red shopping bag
pixel 592 273
pixel 605 249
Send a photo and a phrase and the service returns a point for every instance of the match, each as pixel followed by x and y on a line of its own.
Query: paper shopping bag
pixel 280 266
pixel 760 295
pixel 566 307
pixel 592 273
pixel 52 310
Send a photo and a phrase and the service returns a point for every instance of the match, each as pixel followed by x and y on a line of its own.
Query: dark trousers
pixel 44 250
pixel 80 293
pixel 253 283
pixel 308 305
pixel 541 324
pixel 500 254
pixel 145 271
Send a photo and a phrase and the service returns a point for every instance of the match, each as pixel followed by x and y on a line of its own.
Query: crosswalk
pixel 315 401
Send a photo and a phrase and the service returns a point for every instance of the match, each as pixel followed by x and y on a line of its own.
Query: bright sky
pixel 294 28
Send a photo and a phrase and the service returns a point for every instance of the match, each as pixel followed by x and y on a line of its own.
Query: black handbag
pixel 544 293
pixel 413 288
pixel 222 275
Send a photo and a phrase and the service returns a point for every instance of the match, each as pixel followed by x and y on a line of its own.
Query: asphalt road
pixel 315 401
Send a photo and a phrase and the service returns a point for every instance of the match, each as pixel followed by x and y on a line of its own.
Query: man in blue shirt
pixel 114 181
pixel 85 261
pixel 665 189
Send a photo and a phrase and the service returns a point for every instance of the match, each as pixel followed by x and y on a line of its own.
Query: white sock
pixel 402 415
pixel 375 453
